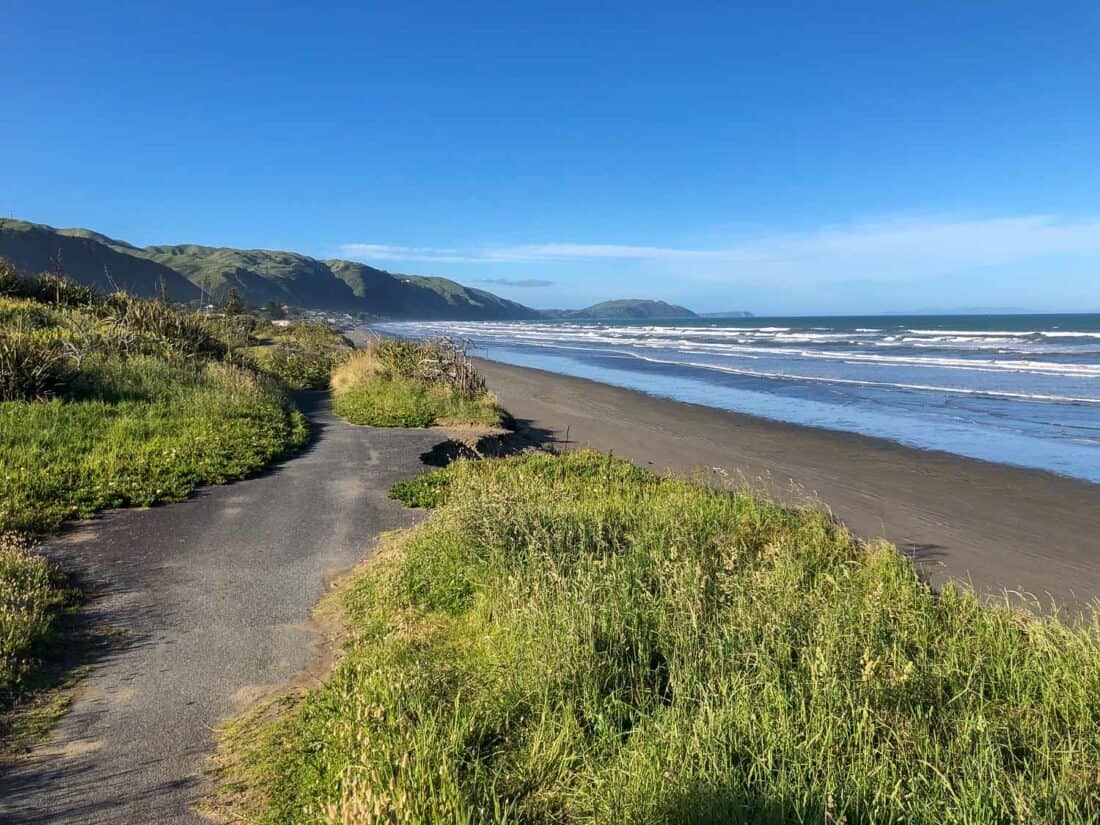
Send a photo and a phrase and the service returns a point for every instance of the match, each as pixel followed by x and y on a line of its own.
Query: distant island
pixel 190 273
pixel 631 309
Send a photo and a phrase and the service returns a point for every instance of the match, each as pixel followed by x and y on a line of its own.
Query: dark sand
pixel 998 527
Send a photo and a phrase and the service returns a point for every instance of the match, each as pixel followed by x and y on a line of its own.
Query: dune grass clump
pixel 32 364
pixel 153 433
pixel 403 384
pixel 571 639
pixel 302 355
pixel 112 400
pixel 31 593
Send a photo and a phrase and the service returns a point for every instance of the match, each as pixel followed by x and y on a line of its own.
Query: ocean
pixel 1015 389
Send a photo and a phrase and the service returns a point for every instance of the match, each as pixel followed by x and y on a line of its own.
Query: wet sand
pixel 998 527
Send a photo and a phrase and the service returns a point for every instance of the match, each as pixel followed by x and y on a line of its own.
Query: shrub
pixel 61 291
pixel 379 401
pixel 47 288
pixel 32 366
pixel 137 325
pixel 401 384
pixel 300 368
pixel 12 284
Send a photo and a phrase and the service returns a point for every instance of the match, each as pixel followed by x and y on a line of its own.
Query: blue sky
pixel 777 157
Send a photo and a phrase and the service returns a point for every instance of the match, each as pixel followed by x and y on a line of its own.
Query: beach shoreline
pixel 999 527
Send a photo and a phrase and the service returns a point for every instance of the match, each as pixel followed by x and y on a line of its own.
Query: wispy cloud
pixel 885 250
pixel 387 252
pixel 520 282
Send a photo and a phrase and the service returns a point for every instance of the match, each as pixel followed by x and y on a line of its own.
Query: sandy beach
pixel 999 527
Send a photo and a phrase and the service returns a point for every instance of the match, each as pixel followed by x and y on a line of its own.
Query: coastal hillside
pixel 189 271
pixel 418 296
pixel 631 309
pixel 258 275
pixel 93 259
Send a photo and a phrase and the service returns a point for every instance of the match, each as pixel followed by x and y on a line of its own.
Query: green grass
pixel 571 639
pixel 109 401
pixel 302 355
pixel 32 592
pixel 385 386
pixel 379 401
pixel 162 430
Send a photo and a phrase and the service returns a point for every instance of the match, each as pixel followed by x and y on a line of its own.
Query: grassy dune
pixel 109 401
pixel 571 639
pixel 104 410
pixel 388 385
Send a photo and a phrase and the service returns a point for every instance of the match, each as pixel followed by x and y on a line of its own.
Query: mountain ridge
pixel 196 272
pixel 189 272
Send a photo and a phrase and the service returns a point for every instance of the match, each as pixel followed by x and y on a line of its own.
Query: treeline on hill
pixel 108 400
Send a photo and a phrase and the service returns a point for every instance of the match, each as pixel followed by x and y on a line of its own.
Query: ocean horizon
pixel 1014 389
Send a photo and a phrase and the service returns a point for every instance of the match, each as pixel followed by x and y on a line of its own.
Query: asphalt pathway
pixel 212 597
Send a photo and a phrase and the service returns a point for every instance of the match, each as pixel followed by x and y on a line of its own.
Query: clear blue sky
pixel 801 157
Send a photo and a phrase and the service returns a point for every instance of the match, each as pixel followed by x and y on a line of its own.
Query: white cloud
pixel 387 252
pixel 893 250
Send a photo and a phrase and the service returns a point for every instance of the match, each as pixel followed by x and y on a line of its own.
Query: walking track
pixel 212 597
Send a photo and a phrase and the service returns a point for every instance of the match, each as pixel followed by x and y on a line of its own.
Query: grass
pixel 571 639
pixel 32 592
pixel 110 401
pixel 302 355
pixel 386 386
pixel 157 432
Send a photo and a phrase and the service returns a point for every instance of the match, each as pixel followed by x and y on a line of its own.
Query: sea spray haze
pixel 1021 389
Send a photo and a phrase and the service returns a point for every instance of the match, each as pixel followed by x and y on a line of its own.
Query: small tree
pixel 235 304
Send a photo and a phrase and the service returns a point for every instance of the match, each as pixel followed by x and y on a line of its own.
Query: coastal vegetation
pixel 405 384
pixel 303 354
pixel 32 594
pixel 569 638
pixel 109 400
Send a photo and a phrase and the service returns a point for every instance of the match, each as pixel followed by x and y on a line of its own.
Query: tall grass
pixel 153 432
pixel 302 355
pixel 113 400
pixel 31 593
pixel 401 384
pixel 571 639
pixel 108 401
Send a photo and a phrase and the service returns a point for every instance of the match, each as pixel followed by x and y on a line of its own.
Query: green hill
pixel 85 257
pixel 423 297
pixel 259 275
pixel 630 309
pixel 190 271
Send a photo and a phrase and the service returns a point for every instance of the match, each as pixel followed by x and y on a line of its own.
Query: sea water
pixel 1016 389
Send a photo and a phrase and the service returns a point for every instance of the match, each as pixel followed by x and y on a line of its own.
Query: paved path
pixel 214 596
